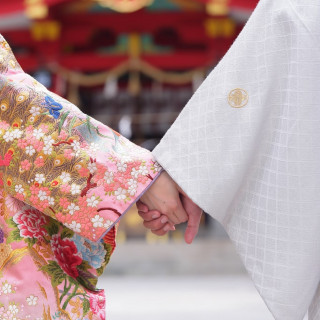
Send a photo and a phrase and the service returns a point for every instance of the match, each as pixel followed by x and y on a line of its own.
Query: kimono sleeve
pixel 62 162
pixel 246 150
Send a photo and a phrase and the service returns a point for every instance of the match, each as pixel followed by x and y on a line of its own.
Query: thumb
pixel 194 213
pixel 192 227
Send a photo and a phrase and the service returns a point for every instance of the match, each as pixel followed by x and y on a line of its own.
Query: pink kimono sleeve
pixel 62 162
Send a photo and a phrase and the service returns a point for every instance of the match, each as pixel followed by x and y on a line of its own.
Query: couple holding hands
pixel 245 149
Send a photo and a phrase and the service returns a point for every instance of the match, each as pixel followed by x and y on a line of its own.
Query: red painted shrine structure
pixel 165 39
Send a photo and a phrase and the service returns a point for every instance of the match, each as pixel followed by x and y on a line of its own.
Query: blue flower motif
pixel 53 106
pixel 93 252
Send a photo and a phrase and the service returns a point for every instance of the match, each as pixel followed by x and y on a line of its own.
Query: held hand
pixel 153 219
pixel 157 222
pixel 164 196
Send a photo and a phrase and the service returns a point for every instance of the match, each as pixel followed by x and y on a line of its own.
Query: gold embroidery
pixel 22 97
pixel 14 257
pixel 46 314
pixel 63 312
pixel 5 250
pixel 238 98
pixel 77 306
pixel 4 105
pixel 42 289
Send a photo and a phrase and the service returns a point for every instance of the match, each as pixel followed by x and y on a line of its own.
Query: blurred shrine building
pixel 132 64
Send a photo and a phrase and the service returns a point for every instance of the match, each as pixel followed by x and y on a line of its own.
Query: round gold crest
pixel 238 98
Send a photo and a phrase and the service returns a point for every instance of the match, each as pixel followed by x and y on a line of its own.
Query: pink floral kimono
pixel 65 180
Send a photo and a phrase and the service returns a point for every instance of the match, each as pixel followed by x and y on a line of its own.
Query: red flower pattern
pixel 31 223
pixel 65 252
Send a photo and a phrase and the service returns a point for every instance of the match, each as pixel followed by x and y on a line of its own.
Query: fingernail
pixel 156 215
pixel 164 220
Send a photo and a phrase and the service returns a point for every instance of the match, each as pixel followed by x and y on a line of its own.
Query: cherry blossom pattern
pixel 32 300
pixel 6 288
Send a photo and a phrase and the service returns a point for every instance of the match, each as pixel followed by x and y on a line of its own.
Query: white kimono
pixel 246 149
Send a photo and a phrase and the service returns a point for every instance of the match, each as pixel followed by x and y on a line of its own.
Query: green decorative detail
pixel 12 224
pixel 73 294
pixel 14 236
pixel 163 5
pixel 87 280
pixel 30 241
pixel 100 270
pixel 91 126
pixel 66 233
pixel 98 8
pixel 71 124
pixel 86 306
pixel 67 287
pixel 84 265
pixel 52 227
pixel 56 274
pixel 62 120
pixel 93 281
pixel 108 248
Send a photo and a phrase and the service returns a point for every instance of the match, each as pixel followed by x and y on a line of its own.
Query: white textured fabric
pixel 314 310
pixel 256 169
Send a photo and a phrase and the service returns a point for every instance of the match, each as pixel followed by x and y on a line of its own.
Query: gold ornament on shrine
pixel 218 7
pixel 46 30
pixel 36 9
pixel 225 28
pixel 125 5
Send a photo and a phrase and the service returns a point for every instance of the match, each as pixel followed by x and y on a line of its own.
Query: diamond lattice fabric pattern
pixel 246 149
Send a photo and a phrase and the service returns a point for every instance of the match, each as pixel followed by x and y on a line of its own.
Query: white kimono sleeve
pixel 246 149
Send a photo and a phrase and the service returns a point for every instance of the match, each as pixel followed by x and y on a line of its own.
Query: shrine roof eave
pixel 8 8
pixel 237 4
pixel 19 6
pixel 91 62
